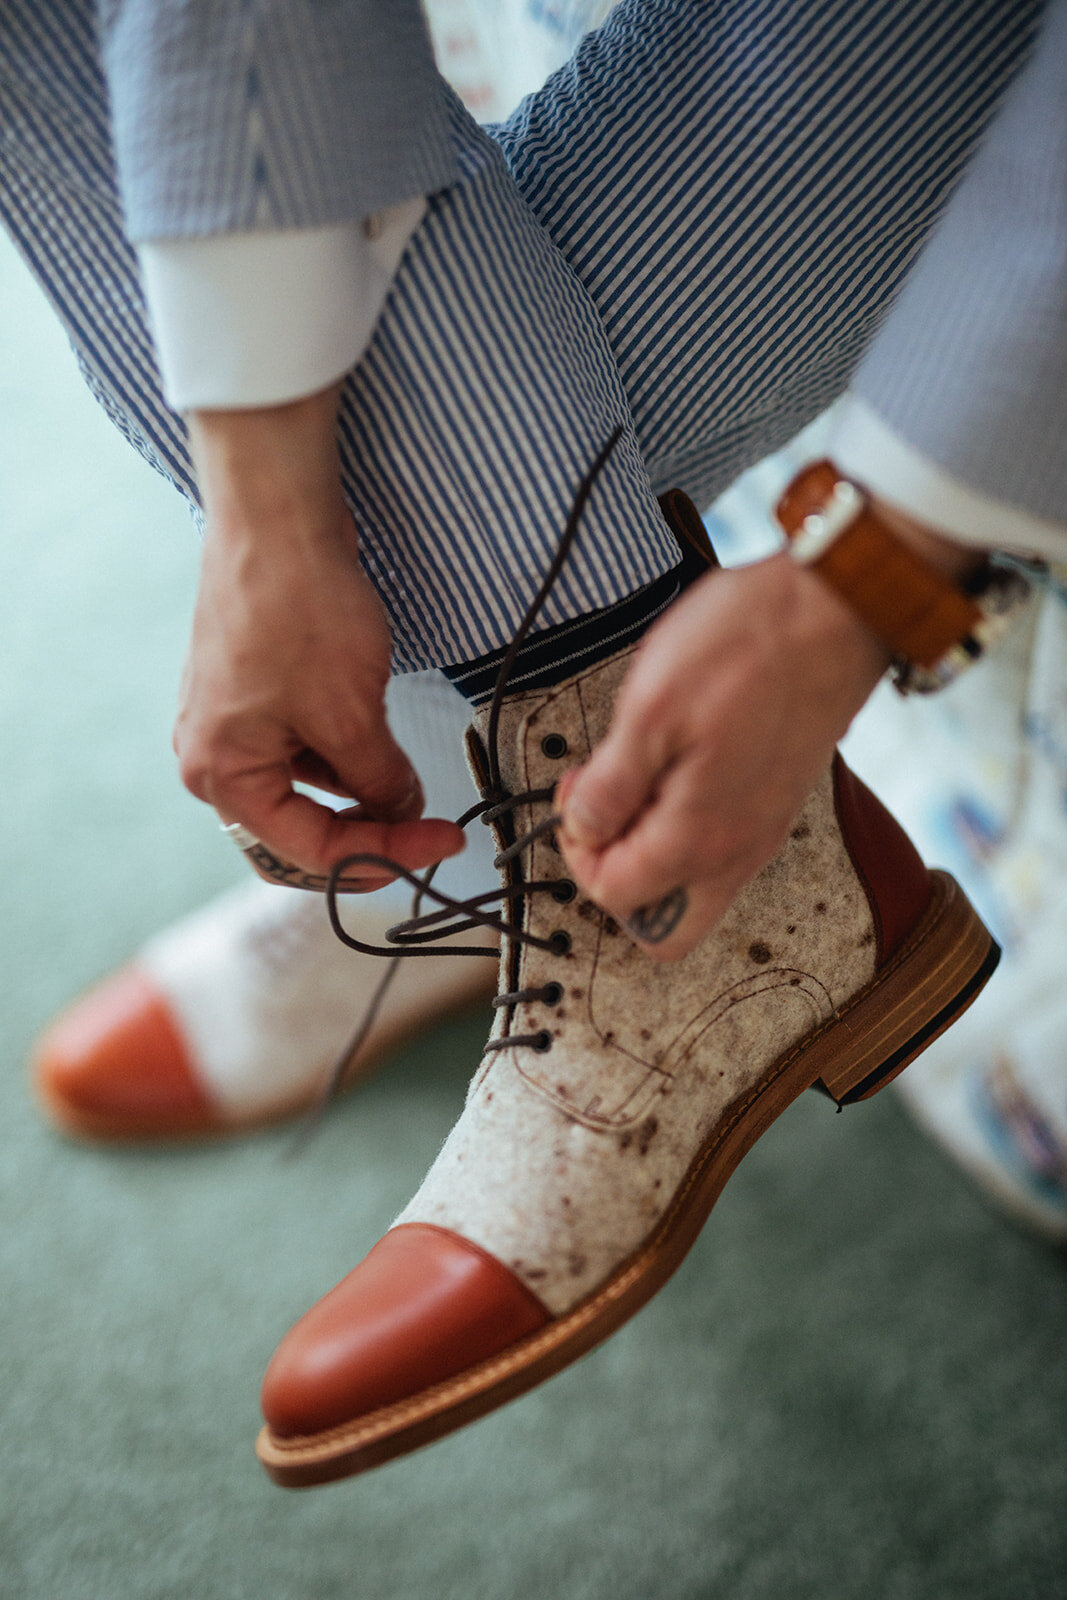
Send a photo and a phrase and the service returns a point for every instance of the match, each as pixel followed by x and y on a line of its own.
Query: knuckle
pixel 386 782
pixel 653 861
pixel 723 841
pixel 622 887
pixel 350 725
pixel 194 770
pixel 664 851
pixel 647 696
pixel 207 769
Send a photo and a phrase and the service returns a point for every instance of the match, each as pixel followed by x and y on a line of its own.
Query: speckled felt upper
pixel 564 1159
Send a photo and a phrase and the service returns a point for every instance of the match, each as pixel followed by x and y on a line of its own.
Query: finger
pixel 300 841
pixel 274 869
pixel 310 768
pixel 673 848
pixel 666 913
pixel 317 773
pixel 600 800
pixel 375 770
pixel 649 861
pixel 672 927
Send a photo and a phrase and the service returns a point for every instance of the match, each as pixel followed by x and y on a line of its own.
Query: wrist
pixel 937 606
pixel 270 471
pixel 827 626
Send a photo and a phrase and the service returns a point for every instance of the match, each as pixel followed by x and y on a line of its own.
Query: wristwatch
pixel 934 627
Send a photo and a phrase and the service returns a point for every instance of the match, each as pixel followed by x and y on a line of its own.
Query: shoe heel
pixel 931 981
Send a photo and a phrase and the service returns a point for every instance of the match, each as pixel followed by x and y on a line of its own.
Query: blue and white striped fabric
pixel 59 201
pixel 742 187
pixel 972 368
pixel 485 393
pixel 232 114
pixel 694 228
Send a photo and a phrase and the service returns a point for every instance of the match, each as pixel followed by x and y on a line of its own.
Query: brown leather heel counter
pixel 889 866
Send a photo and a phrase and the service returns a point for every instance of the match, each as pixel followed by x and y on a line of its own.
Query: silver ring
pixel 240 835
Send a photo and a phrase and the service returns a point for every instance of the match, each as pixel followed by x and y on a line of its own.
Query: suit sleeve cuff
pixel 867 449
pixel 261 318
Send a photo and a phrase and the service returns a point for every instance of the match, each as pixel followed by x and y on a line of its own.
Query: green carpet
pixel 855 1387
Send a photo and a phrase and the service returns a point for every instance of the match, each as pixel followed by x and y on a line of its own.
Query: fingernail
pixel 580 822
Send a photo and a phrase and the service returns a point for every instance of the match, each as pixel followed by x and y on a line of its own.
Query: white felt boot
pixel 616 1097
pixel 234 1015
pixel 571 1148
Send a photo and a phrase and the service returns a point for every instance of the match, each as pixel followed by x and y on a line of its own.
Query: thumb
pixel 600 800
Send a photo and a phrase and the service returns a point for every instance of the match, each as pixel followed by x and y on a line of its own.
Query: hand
pixel 289 657
pixel 725 722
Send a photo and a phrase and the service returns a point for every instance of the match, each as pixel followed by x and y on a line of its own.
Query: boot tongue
pixel 477 756
pixel 601 680
pixel 512 717
pixel 578 709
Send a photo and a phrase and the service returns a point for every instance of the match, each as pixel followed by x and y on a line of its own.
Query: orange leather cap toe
pixel 116 1066
pixel 423 1306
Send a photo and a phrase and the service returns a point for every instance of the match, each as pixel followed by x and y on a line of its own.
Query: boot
pixel 232 1018
pixel 615 1098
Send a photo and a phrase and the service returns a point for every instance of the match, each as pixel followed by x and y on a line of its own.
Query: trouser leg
pixel 742 188
pixel 971 369
pixel 59 202
pixel 485 394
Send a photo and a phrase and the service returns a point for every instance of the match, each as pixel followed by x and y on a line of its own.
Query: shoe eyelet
pixel 554 745
pixel 560 942
pixel 543 1042
pixel 564 891
pixel 553 994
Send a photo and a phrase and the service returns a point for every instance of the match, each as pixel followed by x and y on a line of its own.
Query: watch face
pixel 822 528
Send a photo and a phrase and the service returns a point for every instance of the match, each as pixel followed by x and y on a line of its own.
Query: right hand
pixel 289 657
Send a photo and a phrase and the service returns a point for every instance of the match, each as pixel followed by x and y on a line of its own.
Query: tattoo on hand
pixel 270 866
pixel 653 924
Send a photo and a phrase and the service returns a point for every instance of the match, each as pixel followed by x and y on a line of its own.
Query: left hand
pixel 725 722
pixel 289 658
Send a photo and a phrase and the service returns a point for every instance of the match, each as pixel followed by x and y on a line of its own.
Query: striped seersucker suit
pixel 695 229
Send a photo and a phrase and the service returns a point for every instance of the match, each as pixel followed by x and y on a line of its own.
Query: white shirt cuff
pixel 256 319
pixel 865 448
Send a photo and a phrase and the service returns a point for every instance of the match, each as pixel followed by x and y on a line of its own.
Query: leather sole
pixel 930 981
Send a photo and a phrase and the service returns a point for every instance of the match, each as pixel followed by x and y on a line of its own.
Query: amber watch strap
pixel 912 607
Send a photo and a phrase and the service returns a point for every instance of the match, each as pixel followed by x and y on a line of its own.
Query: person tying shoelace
pixel 463 437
